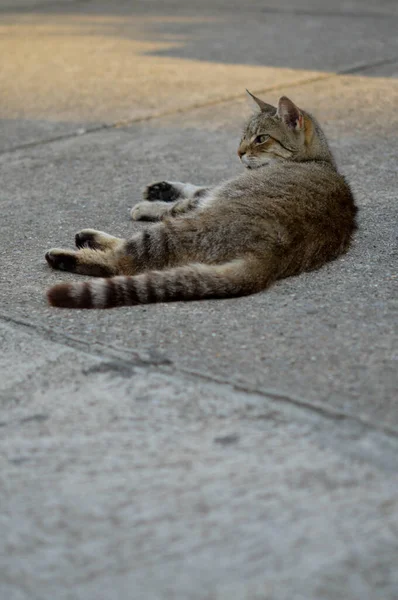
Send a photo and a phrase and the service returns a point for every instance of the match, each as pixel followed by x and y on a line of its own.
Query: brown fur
pixel 273 221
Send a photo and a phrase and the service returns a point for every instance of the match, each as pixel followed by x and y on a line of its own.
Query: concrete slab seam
pixel 129 358
pixel 216 101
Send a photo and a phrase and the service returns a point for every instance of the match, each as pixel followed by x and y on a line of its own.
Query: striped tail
pixel 191 282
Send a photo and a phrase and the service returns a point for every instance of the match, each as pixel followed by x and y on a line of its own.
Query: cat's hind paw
pixel 85 261
pixel 87 238
pixel 61 260
pixel 96 240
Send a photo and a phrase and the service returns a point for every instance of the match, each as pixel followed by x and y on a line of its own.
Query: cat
pixel 289 212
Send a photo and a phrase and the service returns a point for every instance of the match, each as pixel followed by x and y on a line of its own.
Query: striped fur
pixel 191 282
pixel 290 212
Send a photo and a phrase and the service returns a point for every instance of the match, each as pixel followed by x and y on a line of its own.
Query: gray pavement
pixel 239 449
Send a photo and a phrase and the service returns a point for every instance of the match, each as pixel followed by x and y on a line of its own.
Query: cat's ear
pixel 264 107
pixel 290 114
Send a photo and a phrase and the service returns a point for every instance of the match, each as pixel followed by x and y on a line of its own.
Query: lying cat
pixel 291 211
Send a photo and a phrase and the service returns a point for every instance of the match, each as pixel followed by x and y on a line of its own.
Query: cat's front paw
pixel 61 260
pixel 162 190
pixel 145 211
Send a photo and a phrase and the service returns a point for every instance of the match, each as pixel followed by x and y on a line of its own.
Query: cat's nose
pixel 241 152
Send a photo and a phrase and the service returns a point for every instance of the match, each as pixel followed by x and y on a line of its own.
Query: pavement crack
pixel 320 408
pixel 371 65
pixel 123 355
pixel 57 138
pixel 234 97
pixel 302 12
pixel 124 124
pixel 127 359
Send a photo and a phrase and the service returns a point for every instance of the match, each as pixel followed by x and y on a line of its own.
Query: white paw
pixel 142 212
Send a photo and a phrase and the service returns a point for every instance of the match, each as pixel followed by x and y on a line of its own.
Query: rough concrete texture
pixel 240 449
pixel 79 65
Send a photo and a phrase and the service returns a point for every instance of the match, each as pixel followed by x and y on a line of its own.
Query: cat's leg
pixel 173 242
pixel 85 261
pixel 95 255
pixel 167 199
pixel 170 191
pixel 101 255
pixel 157 210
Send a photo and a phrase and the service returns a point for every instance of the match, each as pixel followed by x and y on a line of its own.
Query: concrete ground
pixel 244 449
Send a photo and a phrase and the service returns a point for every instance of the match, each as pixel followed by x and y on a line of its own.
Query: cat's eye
pixel 260 139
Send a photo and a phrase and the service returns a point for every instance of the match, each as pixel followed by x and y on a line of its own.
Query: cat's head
pixel 281 133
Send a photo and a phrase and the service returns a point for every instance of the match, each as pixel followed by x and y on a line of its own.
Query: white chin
pixel 256 166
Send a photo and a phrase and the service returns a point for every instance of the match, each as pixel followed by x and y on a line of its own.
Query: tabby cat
pixel 289 212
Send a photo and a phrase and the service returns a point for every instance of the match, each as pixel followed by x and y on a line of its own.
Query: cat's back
pixel 291 179
pixel 292 190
